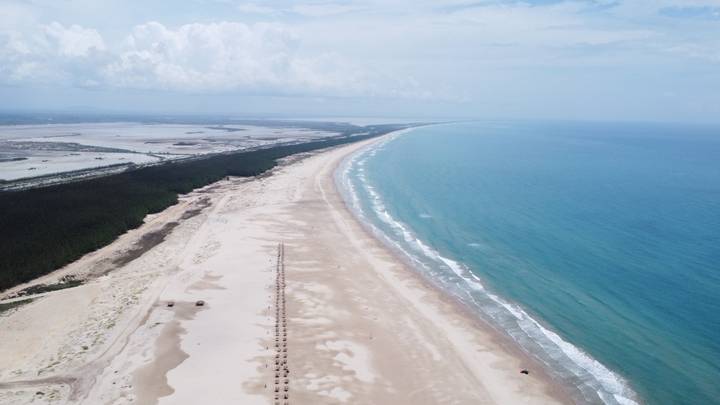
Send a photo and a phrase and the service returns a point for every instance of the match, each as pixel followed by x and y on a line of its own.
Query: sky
pixel 626 60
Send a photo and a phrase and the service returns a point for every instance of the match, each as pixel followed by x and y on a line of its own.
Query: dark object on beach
pixel 524 372
pixel 170 304
pixel 199 303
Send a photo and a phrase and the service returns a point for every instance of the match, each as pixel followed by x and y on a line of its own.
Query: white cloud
pixel 50 54
pixel 259 58
pixel 225 56
pixel 195 57
pixel 74 41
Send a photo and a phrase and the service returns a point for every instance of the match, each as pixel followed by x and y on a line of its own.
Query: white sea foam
pixel 595 382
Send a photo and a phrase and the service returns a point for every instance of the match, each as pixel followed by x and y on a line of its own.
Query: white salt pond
pixel 28 151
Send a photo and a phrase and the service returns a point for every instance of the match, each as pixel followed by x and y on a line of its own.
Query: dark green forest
pixel 43 229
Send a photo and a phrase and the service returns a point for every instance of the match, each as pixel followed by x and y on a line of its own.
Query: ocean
pixel 594 246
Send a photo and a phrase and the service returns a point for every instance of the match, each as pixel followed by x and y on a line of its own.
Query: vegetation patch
pixel 4 307
pixel 68 281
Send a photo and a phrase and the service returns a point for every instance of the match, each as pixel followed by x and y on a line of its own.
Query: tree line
pixel 46 228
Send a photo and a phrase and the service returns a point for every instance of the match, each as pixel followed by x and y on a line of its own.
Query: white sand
pixel 362 327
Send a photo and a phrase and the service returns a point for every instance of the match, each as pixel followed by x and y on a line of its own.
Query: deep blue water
pixel 602 238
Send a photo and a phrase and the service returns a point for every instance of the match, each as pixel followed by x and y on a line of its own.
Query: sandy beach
pixel 361 327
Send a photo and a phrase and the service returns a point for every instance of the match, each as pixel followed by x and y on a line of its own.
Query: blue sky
pixel 583 59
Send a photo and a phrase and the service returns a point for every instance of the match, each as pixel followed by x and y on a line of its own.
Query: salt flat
pixel 38 150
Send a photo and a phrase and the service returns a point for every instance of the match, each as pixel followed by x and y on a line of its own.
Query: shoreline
pixel 416 254
pixel 362 327
pixel 473 317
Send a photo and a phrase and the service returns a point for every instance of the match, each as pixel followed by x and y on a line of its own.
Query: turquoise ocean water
pixel 594 246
